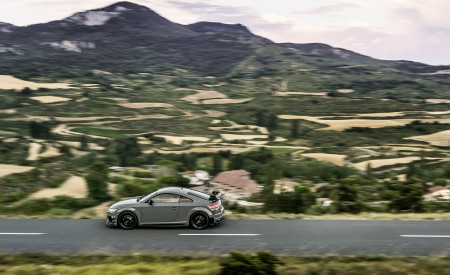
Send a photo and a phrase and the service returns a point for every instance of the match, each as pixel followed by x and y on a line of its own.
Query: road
pixel 295 237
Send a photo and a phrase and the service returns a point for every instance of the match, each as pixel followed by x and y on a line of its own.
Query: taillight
pixel 213 206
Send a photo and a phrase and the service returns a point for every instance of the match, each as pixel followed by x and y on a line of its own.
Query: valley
pixel 186 96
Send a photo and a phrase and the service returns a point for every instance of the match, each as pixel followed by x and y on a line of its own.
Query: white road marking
pixel 425 236
pixel 219 234
pixel 23 233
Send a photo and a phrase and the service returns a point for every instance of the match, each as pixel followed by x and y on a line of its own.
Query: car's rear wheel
pixel 199 221
pixel 127 220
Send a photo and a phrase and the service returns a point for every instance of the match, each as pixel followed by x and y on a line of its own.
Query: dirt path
pixel 143 105
pixel 63 129
pixel 376 163
pixel 33 151
pixel 50 99
pixel 7 169
pixel 436 139
pixel 180 139
pixel 331 158
pixel 8 82
pixel 343 124
pixel 74 186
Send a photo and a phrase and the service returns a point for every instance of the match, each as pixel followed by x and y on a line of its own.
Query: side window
pixel 184 199
pixel 166 198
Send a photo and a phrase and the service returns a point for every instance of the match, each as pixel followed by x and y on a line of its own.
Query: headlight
pixel 112 210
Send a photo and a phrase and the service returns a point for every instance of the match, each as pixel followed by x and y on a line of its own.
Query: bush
pixel 175 180
pixel 137 188
pixel 47 206
pixel 240 263
pixel 131 189
pixel 437 206
pixel 143 174
pixel 317 210
pixel 117 179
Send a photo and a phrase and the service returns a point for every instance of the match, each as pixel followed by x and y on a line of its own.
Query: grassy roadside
pixel 157 264
pixel 361 216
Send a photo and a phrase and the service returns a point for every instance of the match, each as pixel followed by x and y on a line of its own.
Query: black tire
pixel 127 221
pixel 199 221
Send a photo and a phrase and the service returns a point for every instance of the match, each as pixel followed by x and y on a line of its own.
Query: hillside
pixel 72 89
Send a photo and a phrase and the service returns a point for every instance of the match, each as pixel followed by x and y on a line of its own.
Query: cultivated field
pixel 7 169
pixel 8 82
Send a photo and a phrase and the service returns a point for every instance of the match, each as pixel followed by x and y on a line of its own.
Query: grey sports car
pixel 167 206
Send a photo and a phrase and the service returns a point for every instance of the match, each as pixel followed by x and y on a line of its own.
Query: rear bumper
pixel 217 218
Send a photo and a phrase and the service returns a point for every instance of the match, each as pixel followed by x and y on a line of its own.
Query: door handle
pixel 174 208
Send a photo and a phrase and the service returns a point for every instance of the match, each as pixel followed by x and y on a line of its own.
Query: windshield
pixel 145 198
pixel 139 198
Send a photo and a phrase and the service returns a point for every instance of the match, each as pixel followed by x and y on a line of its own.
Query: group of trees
pixel 97 181
pixel 348 197
pixel 270 121
pixel 350 190
pixel 40 129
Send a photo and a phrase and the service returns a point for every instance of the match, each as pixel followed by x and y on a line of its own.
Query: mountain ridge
pixel 139 39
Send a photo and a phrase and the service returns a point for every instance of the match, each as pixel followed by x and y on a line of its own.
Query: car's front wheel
pixel 127 220
pixel 199 221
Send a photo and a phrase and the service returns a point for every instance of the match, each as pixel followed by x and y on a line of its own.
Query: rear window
pixel 198 195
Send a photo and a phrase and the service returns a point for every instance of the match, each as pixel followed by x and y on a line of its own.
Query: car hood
pixel 125 202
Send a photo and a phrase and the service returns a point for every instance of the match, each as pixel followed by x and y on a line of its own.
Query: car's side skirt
pixel 166 223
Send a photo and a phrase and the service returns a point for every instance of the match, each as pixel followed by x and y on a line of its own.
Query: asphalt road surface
pixel 296 237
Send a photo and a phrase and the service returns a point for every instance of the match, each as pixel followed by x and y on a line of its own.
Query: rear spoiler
pixel 214 196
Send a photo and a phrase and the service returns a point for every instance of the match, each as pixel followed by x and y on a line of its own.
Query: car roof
pixel 175 190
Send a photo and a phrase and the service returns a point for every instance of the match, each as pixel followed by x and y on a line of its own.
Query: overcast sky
pixel 417 30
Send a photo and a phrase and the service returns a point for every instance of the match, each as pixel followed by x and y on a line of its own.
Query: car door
pixel 186 204
pixel 162 208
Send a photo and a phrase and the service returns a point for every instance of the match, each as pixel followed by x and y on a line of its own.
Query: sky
pixel 415 30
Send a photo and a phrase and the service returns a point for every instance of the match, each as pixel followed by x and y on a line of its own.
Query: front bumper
pixel 111 220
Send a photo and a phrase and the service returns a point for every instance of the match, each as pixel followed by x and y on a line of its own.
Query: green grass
pixel 159 264
pixel 361 216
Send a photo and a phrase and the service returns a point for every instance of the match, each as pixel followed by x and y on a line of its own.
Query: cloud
pixel 261 24
pixel 329 8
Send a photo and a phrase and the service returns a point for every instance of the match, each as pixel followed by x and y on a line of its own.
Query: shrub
pixel 317 210
pixel 240 263
pixel 130 189
pixel 143 174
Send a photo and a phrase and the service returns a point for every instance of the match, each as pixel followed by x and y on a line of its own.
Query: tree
pixel 290 202
pixel 260 118
pixel 272 123
pixel 175 180
pixel 40 130
pixel 236 162
pixel 407 197
pixel 127 150
pixel 84 145
pixel 65 150
pixel 346 198
pixel 369 170
pixel 26 91
pixel 97 181
pixel 294 129
pixel 217 164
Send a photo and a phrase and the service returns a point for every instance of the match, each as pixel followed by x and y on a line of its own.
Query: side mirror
pixel 150 202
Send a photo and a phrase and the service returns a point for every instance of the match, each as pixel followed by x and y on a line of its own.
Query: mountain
pixel 127 37
pixel 5 27
pixel 214 27
pixel 327 51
